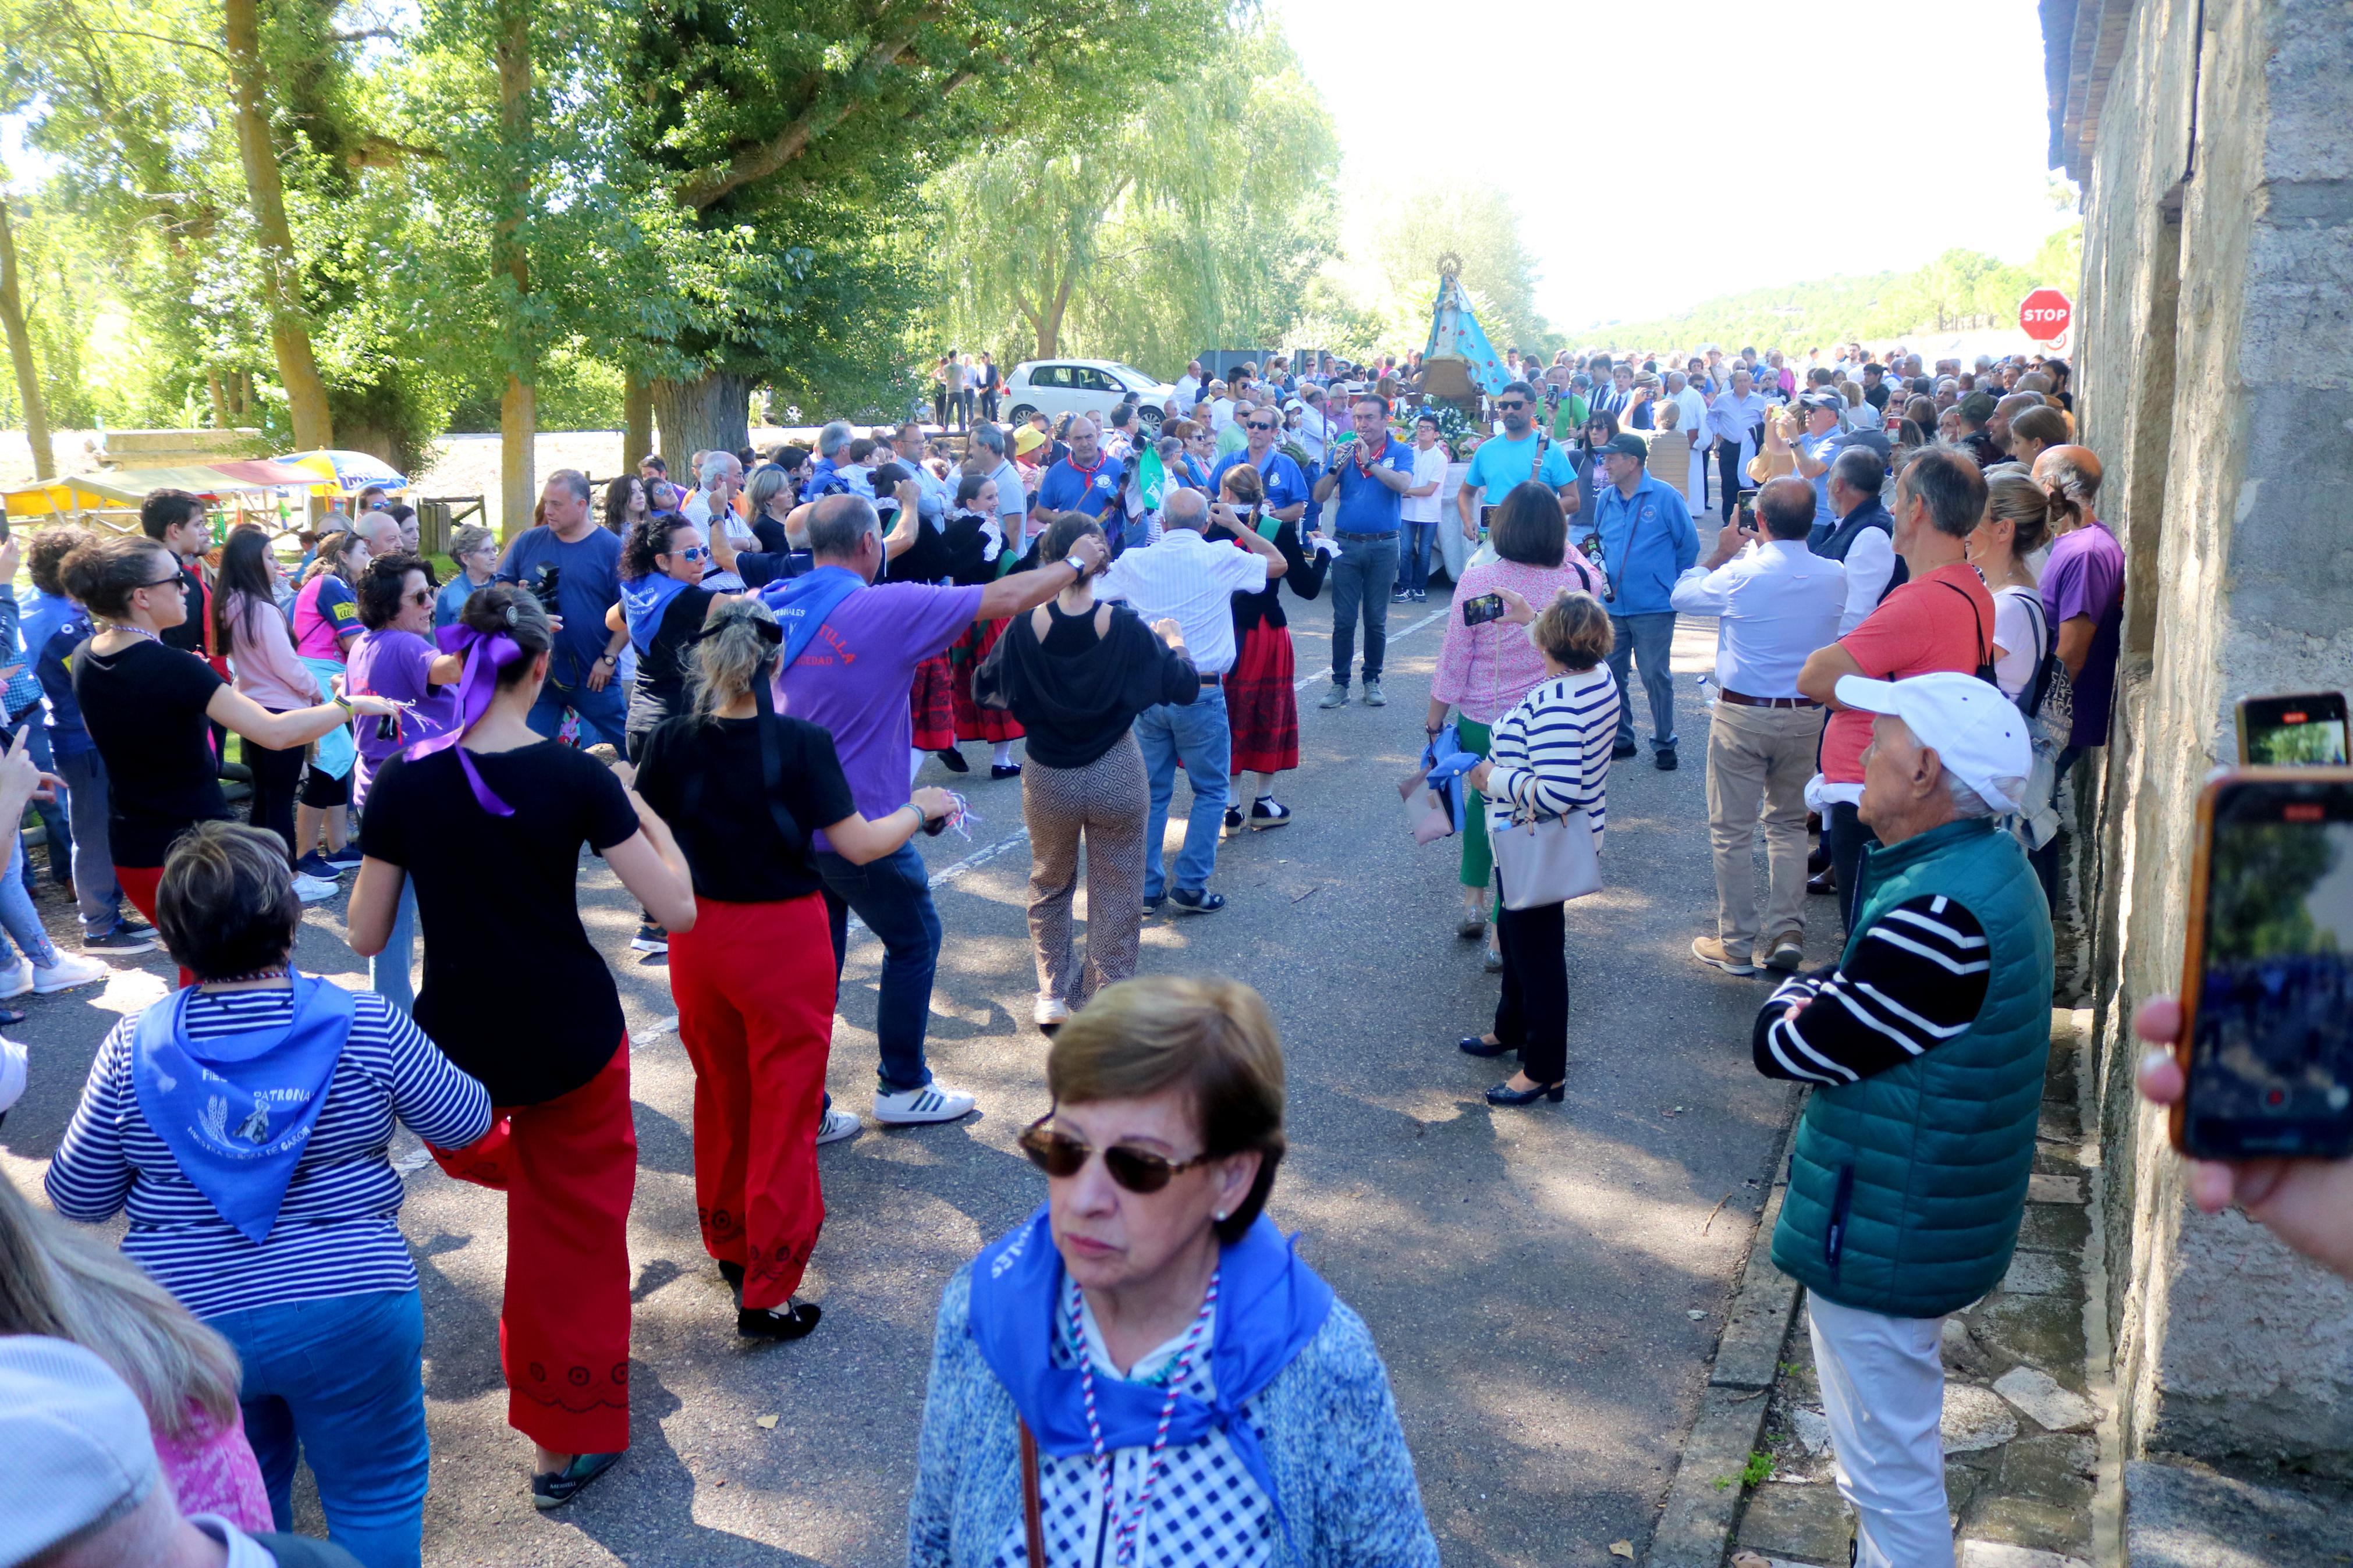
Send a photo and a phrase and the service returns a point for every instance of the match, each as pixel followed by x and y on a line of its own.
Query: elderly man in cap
pixel 1813 448
pixel 82 1487
pixel 1926 1046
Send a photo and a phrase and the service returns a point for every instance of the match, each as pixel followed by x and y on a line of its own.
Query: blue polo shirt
pixel 1499 464
pixel 1286 485
pixel 1367 505
pixel 1647 541
pixel 1067 488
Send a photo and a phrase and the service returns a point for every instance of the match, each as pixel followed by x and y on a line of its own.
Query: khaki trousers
pixel 1758 760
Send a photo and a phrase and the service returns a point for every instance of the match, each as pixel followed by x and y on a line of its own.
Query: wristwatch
pixel 611 658
pixel 1074 564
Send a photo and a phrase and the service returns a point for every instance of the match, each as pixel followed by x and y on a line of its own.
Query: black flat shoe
pixel 794 1323
pixel 556 1488
pixel 1623 750
pixel 1504 1094
pixel 732 1272
pixel 1005 770
pixel 953 759
pixel 1479 1046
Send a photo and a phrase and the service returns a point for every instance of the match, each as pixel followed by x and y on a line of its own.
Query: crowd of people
pixel 730 694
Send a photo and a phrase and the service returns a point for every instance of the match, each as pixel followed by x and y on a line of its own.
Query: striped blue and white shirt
pixel 1552 752
pixel 336 1233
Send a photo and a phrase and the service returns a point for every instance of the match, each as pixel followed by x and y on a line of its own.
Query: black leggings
pixel 276 779
pixel 1532 1014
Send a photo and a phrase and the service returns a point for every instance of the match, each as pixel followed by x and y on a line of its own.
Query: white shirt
pixel 1193 581
pixel 1778 601
pixel 1221 413
pixel 1429 468
pixel 1188 392
pixel 1869 562
pixel 1694 413
pixel 2017 631
pixel 1314 432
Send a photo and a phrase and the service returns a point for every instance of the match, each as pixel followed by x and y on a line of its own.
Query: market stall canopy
pixel 1459 361
pixel 336 472
pixel 118 489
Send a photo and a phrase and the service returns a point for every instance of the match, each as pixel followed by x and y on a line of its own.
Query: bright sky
pixel 1416 88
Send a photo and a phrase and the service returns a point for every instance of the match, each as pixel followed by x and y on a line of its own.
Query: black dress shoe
pixel 1665 759
pixel 1825 884
pixel 1480 1045
pixel 1005 770
pixel 953 759
pixel 1623 750
pixel 793 1323
pixel 1504 1094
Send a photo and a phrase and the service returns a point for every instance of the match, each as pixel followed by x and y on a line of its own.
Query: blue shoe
pixel 1504 1094
pixel 347 856
pixel 1201 903
pixel 1480 1045
pixel 317 865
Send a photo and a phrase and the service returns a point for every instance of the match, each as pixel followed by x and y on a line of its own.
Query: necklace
pixel 135 628
pixel 276 972
pixel 1124 1546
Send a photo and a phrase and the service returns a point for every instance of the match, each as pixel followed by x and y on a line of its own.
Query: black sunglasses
pixel 1257 425
pixel 173 581
pixel 1511 402
pixel 1061 1155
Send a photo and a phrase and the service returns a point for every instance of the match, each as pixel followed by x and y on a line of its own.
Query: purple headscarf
pixel 486 653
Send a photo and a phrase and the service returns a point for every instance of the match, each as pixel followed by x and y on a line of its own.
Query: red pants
pixel 568 1166
pixel 754 986
pixel 139 884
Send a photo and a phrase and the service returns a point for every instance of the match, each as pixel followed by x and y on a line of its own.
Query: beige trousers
pixel 1758 760
pixel 1107 803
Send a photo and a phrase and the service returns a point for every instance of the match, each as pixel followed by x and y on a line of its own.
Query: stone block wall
pixel 2215 380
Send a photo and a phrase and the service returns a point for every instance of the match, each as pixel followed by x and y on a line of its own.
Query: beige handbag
pixel 1543 861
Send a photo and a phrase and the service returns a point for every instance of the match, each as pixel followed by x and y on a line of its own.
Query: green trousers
pixel 1478 856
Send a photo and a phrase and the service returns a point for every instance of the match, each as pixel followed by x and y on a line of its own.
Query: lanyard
pixel 1123 1548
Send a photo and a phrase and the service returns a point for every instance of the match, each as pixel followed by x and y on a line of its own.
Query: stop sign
pixel 2045 314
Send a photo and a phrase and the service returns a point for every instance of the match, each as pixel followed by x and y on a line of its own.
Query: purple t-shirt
pixel 392 663
pixel 854 676
pixel 2085 576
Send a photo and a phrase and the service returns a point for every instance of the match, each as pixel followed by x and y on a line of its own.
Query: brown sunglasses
pixel 1061 1154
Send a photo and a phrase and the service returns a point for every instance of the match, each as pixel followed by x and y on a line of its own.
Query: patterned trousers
pixel 1106 801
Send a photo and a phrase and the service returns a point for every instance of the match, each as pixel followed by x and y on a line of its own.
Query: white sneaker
pixel 838 1125
pixel 16 980
pixel 310 890
pixel 1050 1013
pixel 70 969
pixel 932 1102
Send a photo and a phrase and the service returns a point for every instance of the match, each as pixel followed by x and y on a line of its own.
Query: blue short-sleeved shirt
pixel 1069 488
pixel 1367 505
pixel 1821 449
pixel 1500 464
pixel 1286 485
pixel 587 584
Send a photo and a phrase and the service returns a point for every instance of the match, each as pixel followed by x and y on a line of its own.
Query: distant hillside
pixel 1959 290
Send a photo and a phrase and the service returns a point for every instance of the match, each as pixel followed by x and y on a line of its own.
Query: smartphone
pixel 1743 504
pixel 1485 608
pixel 2306 730
pixel 2267 1044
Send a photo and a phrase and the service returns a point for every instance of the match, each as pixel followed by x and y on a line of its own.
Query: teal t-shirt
pixel 1499 465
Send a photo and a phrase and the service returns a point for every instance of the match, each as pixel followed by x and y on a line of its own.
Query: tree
pixel 20 348
pixel 1410 229
pixel 290 332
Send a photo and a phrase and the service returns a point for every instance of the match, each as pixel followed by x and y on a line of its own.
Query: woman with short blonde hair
pixel 1146 1372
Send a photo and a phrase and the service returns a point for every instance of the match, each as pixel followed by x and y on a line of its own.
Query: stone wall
pixel 2215 380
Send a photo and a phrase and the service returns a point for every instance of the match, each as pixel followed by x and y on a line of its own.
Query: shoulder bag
pixel 1543 861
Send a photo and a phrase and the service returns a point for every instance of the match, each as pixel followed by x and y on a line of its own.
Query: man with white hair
pixel 1926 1044
pixel 720 477
pixel 826 477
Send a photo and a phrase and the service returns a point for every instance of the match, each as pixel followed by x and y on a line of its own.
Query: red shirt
pixel 1941 621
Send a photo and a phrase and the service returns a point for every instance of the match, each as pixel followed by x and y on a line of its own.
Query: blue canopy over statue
pixel 1460 363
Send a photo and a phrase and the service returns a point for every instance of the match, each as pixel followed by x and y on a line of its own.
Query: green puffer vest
pixel 1906 1189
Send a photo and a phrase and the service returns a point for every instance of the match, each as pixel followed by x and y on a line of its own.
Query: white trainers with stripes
pixel 837 1125
pixel 932 1102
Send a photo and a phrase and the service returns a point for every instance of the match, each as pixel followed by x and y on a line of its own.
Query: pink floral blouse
pixel 1485 670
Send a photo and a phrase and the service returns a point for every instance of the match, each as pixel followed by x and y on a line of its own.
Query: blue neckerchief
pixel 1270 1305
pixel 644 601
pixel 236 1110
pixel 801 604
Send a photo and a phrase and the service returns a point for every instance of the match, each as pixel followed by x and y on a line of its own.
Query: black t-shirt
pixel 703 778
pixel 661 688
pixel 514 992
pixel 145 707
pixel 189 634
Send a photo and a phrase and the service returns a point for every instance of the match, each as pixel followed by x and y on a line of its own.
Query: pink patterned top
pixel 1485 670
pixel 212 1470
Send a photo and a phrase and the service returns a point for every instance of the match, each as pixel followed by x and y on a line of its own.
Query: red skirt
pixel 1260 704
pixel 974 722
pixel 933 707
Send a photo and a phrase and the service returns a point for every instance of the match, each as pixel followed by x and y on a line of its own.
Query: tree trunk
pixel 637 422
pixel 221 419
pixel 20 352
pixel 518 441
pixel 708 413
pixel 289 336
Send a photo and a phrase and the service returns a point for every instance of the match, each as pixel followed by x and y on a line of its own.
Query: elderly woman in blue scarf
pixel 1144 1374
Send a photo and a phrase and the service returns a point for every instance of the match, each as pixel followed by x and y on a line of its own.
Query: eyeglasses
pixel 1258 425
pixel 694 552
pixel 1509 403
pixel 422 596
pixel 173 581
pixel 1061 1154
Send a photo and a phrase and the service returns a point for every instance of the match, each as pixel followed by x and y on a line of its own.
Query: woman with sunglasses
pixel 744 787
pixel 150 708
pixel 1146 1357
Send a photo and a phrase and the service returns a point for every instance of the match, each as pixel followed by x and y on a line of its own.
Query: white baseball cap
pixel 77 1440
pixel 1976 731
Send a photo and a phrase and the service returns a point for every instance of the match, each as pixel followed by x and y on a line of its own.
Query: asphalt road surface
pixel 1545 1284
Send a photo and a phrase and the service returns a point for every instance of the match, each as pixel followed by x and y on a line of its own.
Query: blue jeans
pixel 605 712
pixel 893 897
pixel 1362 576
pixel 1646 640
pixel 1413 558
pixel 340 1383
pixel 53 813
pixel 1201 736
pixel 17 916
pixel 96 894
pixel 388 970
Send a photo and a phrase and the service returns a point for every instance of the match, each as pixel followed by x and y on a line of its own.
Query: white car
pixel 1058 386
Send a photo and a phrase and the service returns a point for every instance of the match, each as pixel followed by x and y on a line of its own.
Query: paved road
pixel 1545 1284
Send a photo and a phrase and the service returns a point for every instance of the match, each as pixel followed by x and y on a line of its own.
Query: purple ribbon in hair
pixel 486 653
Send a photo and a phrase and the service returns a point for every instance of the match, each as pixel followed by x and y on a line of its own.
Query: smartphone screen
pixel 1485 607
pixel 2297 731
pixel 2269 995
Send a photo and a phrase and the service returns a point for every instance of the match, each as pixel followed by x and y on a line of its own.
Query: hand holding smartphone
pixel 1482 609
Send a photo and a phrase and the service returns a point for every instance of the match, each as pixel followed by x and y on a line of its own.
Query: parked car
pixel 1058 386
